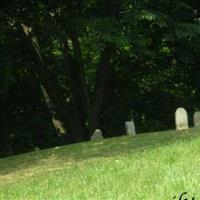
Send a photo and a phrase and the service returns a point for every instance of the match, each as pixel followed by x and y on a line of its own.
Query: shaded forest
pixel 70 67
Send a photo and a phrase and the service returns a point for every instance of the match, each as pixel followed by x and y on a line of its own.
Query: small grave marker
pixel 196 119
pixel 97 135
pixel 130 127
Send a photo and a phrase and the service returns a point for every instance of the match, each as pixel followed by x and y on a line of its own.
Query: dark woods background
pixel 69 67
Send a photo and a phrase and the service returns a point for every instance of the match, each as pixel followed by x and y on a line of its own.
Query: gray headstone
pixel 97 135
pixel 196 119
pixel 181 119
pixel 130 127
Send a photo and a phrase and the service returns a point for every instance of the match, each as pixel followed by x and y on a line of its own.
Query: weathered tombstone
pixel 181 119
pixel 97 135
pixel 196 119
pixel 130 127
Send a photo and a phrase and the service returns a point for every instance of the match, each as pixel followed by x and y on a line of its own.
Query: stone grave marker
pixel 130 127
pixel 97 135
pixel 196 119
pixel 181 119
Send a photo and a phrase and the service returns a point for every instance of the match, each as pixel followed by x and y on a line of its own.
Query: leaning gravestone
pixel 97 135
pixel 181 119
pixel 130 127
pixel 196 119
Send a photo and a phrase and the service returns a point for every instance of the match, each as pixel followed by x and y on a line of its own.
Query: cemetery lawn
pixel 155 166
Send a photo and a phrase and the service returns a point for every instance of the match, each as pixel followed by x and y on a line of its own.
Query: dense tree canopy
pixel 70 67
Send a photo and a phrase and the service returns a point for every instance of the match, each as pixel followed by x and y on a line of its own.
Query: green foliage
pixel 155 65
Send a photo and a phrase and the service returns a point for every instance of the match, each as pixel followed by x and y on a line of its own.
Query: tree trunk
pixel 91 111
pixel 70 120
pixel 103 75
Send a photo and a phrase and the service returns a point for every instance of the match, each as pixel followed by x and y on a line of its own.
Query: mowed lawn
pixel 145 167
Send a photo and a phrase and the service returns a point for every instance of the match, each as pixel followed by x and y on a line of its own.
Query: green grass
pixel 146 167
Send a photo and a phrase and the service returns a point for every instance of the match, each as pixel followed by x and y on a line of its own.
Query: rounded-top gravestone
pixel 196 119
pixel 181 119
pixel 97 135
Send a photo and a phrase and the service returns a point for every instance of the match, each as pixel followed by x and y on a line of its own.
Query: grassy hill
pixel 148 166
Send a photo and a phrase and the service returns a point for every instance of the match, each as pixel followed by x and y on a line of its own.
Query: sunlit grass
pixel 149 166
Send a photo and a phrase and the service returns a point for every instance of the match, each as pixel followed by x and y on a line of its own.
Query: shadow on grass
pixel 105 148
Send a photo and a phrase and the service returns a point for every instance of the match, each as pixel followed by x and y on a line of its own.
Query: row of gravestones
pixel 181 120
pixel 130 130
